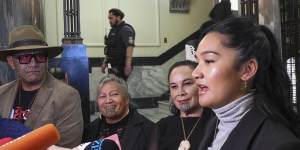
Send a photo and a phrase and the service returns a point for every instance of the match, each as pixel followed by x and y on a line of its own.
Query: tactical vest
pixel 116 47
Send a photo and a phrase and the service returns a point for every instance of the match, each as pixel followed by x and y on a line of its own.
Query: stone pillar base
pixel 72 40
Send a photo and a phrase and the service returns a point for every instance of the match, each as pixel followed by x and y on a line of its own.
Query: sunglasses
pixel 26 59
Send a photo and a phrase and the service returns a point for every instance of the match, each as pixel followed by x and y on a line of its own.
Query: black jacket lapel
pixel 243 134
pixel 134 130
pixel 208 134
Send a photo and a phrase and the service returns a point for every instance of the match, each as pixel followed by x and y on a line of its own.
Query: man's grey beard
pixel 184 107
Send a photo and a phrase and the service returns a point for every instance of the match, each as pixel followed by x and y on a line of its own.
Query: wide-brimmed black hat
pixel 28 37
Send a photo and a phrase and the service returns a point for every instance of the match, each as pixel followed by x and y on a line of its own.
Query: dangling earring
pixel 245 88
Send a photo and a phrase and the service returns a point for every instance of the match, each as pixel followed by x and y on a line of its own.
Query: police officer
pixel 119 45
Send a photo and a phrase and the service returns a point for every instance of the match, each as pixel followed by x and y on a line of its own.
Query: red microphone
pixel 38 139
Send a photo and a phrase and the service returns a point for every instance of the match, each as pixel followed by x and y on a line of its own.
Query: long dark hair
pixel 271 80
pixel 187 63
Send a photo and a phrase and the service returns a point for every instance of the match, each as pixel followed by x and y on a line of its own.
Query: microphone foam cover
pixel 38 139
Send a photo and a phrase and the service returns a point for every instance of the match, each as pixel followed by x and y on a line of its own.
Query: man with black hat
pixel 36 97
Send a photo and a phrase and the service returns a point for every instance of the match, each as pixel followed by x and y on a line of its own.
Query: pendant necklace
pixel 185 144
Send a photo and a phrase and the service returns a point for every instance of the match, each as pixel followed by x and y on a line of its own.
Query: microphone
pixel 38 139
pixel 5 140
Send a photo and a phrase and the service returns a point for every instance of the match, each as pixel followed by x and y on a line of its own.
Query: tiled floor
pixel 154 114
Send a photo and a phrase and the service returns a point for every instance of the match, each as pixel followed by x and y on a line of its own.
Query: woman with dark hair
pixel 184 129
pixel 241 77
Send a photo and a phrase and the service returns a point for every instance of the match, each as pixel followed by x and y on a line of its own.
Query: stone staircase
pixel 155 114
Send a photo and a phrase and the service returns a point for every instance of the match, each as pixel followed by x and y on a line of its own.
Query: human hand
pixel 103 67
pixel 128 70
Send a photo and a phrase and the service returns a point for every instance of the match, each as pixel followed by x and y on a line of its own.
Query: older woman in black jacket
pixel 134 131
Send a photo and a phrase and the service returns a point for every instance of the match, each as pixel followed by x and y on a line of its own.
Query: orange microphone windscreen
pixel 38 139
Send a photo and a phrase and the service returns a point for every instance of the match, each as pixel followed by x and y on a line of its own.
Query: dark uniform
pixel 119 38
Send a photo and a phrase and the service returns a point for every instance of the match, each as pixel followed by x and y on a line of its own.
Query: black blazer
pixel 254 132
pixel 138 135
